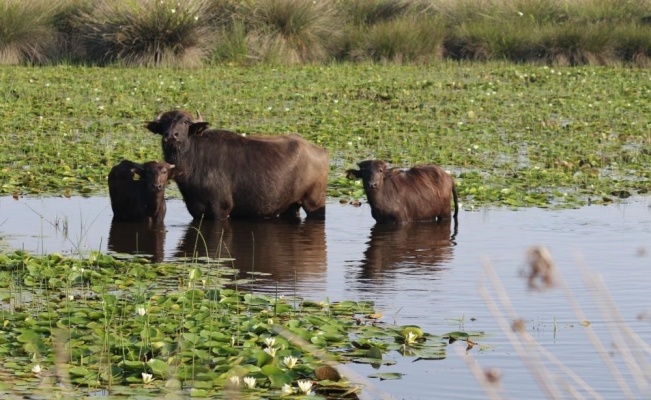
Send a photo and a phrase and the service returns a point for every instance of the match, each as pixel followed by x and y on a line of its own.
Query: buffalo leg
pixel 316 213
pixel 293 211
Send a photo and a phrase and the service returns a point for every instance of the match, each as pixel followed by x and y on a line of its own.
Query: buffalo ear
pixel 155 127
pixel 136 173
pixel 197 127
pixel 171 172
pixel 353 174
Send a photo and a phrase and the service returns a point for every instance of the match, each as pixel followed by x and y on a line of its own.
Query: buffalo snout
pixel 172 137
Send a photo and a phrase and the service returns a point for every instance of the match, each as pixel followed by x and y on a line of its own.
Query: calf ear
pixel 155 127
pixel 353 174
pixel 136 173
pixel 197 127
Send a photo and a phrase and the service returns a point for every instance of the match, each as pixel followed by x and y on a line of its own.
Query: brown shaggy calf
pixel 138 191
pixel 222 174
pixel 421 193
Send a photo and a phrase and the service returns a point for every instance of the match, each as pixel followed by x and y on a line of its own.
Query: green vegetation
pixel 513 135
pixel 127 328
pixel 195 32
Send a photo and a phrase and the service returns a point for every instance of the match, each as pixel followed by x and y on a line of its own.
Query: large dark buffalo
pixel 222 174
pixel 421 193
pixel 138 191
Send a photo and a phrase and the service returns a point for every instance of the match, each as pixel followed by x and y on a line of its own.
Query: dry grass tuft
pixel 27 30
pixel 291 31
pixel 149 33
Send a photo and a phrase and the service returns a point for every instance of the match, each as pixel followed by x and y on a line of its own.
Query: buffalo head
pixel 157 173
pixel 176 127
pixel 371 172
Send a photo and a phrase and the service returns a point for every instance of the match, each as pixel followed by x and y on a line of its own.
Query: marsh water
pixel 423 274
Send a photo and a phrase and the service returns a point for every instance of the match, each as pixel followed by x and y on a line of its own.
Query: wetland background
pixel 543 154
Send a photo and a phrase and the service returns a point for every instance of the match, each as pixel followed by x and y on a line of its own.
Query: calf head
pixel 176 127
pixel 156 174
pixel 371 172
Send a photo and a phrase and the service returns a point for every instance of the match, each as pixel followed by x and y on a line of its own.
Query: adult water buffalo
pixel 138 191
pixel 221 173
pixel 421 193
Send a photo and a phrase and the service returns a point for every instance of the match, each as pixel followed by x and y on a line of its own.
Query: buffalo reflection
pixel 286 249
pixel 137 238
pixel 408 247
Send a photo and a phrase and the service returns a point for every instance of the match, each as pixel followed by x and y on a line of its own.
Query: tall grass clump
pixel 578 44
pixel 370 12
pixel 291 31
pixel 633 44
pixel 27 30
pixel 392 30
pixel 411 38
pixel 70 45
pixel 612 11
pixel 149 33
pixel 230 45
pixel 484 40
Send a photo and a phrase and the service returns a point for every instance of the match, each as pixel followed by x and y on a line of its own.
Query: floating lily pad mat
pixel 118 326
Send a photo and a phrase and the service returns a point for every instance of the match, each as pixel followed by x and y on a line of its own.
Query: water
pixel 421 274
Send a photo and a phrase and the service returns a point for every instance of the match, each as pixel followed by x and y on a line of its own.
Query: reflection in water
pixel 412 246
pixel 137 238
pixel 287 249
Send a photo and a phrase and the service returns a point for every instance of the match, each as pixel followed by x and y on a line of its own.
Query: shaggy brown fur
pixel 222 174
pixel 421 193
pixel 138 191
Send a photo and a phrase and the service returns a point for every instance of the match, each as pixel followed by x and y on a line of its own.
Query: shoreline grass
pixel 285 32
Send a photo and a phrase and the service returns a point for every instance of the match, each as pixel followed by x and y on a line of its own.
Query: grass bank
pixel 282 32
pixel 515 135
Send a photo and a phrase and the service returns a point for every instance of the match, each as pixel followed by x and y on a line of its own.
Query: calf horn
pixel 199 117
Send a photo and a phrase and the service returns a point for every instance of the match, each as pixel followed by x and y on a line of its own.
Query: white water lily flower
pixel 287 389
pixel 147 378
pixel 305 386
pixel 234 380
pixel 249 381
pixel 37 368
pixel 270 341
pixel 290 361
pixel 411 338
pixel 271 351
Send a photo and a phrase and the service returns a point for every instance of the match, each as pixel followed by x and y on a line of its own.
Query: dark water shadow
pixel 286 249
pixel 409 248
pixel 138 238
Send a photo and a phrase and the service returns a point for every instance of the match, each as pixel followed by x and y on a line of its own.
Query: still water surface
pixel 422 274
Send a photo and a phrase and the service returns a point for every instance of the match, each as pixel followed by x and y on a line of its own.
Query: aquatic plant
pixel 511 135
pixel 133 328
